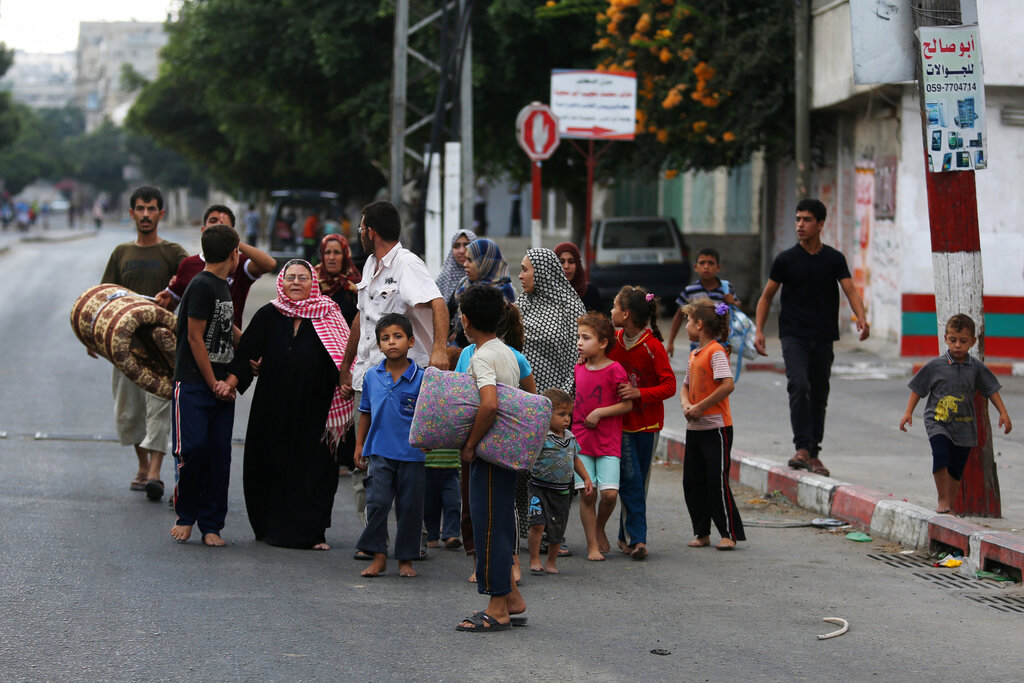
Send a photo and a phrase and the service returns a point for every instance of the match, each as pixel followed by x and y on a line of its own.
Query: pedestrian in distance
pixel 705 400
pixel 597 423
pixel 252 225
pixel 491 487
pixel 299 422
pixel 707 284
pixel 394 469
pixel 650 381
pixel 551 482
pixel 948 383
pixel 807 273
pixel 143 266
pixel 203 404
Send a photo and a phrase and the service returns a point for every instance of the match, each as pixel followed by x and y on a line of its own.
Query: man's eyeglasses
pixel 301 278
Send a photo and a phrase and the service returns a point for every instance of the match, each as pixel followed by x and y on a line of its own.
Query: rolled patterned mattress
pixel 131 332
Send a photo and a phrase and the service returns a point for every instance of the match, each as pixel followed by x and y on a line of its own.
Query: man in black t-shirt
pixel 203 412
pixel 808 325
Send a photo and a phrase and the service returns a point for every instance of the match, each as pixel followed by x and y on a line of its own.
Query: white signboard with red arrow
pixel 594 105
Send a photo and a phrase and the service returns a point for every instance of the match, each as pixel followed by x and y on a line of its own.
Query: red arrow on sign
pixel 596 131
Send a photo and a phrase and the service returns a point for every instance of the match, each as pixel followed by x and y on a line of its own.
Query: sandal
pixel 516 620
pixel 817 468
pixel 453 543
pixel 639 552
pixel 801 460
pixel 482 621
pixel 138 483
pixel 154 489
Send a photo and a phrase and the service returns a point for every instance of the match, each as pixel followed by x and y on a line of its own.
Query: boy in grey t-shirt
pixel 949 383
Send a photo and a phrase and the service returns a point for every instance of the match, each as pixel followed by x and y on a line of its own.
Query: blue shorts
pixel 947 454
pixel 603 471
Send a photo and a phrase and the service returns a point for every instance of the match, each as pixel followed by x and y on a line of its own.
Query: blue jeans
pixel 442 499
pixel 397 482
pixel 635 472
pixel 201 441
pixel 492 502
pixel 808 369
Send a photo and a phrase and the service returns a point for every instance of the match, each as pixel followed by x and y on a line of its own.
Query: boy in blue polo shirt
pixel 395 470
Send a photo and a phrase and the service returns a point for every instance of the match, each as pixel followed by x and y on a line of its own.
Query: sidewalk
pixel 878 464
pixel 11 236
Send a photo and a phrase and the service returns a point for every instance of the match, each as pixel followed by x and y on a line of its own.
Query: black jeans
pixel 808 368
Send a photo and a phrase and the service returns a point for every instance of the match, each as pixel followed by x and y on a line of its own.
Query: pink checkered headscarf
pixel 333 331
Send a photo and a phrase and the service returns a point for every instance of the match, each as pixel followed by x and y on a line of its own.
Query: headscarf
pixel 348 276
pixel 579 278
pixel 451 272
pixel 549 323
pixel 333 331
pixel 491 268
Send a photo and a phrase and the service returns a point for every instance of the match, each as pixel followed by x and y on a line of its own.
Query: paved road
pixel 94 589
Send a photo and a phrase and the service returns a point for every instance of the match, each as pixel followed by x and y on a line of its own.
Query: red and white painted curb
pixel 879 514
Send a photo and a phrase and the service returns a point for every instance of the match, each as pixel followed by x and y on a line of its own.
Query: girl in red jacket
pixel 651 380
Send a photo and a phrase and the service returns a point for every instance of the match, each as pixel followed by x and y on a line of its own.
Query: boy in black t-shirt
pixel 808 325
pixel 203 410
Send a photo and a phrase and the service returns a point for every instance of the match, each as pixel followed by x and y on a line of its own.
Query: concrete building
pixel 41 80
pixel 103 48
pixel 870 169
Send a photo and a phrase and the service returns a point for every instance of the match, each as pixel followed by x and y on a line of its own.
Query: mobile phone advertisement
pixel 954 92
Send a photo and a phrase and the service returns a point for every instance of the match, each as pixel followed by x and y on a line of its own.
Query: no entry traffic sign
pixel 537 131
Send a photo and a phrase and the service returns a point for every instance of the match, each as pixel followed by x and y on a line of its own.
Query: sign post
pixel 537 134
pixel 593 105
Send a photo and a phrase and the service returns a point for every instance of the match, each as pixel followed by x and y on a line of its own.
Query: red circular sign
pixel 537 131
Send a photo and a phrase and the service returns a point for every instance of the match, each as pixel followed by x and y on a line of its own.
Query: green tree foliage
pixel 10 120
pixel 715 84
pixel 38 149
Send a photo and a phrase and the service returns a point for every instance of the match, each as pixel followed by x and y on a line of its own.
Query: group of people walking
pixel 337 360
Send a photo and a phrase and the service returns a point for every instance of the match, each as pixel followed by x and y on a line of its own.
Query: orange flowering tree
pixel 714 79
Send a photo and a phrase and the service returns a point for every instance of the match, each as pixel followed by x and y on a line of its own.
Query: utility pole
pixel 466 123
pixel 399 71
pixel 956 258
pixel 802 103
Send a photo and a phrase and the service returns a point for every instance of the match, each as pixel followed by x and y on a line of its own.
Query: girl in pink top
pixel 597 426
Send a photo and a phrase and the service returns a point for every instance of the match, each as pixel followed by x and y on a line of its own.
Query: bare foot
pixel 700 542
pixel 433 544
pixel 624 547
pixel 726 544
pixel 595 556
pixel 321 546
pixel 550 568
pixel 536 568
pixel 377 565
pixel 213 540
pixel 517 573
pixel 602 541
pixel 405 569
pixel 472 578
pixel 181 532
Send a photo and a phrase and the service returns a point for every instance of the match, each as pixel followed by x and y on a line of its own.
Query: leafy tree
pixel 36 151
pixel 99 157
pixel 715 84
pixel 10 120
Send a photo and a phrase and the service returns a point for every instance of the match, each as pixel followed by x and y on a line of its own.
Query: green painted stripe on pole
pixel 996 324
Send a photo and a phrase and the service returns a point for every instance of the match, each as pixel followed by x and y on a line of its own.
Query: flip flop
pixel 536 571
pixel 482 621
pixel 138 484
pixel 515 619
pixel 453 543
pixel 360 555
pixel 639 553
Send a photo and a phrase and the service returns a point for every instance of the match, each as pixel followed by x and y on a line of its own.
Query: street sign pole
pixel 537 134
pixel 535 216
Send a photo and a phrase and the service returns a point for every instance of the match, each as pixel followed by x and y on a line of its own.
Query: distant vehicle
pixel 642 251
pixel 60 205
pixel 287 217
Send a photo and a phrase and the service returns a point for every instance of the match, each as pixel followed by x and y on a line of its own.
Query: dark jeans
pixel 442 498
pixel 492 492
pixel 399 482
pixel 201 443
pixel 634 473
pixel 808 368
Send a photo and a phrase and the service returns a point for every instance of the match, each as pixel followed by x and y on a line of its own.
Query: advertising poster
pixel 954 92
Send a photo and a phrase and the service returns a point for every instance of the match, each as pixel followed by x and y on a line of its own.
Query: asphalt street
pixel 93 587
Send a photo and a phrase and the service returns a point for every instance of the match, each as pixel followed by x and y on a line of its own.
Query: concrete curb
pixel 881 515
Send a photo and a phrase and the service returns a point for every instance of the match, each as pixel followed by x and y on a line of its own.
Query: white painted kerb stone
pixel 903 522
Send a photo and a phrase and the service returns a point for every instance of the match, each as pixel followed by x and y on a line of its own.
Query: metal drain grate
pixel 950 580
pixel 902 561
pixel 1003 603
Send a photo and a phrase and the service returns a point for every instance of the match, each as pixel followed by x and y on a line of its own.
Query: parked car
pixel 287 217
pixel 646 251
